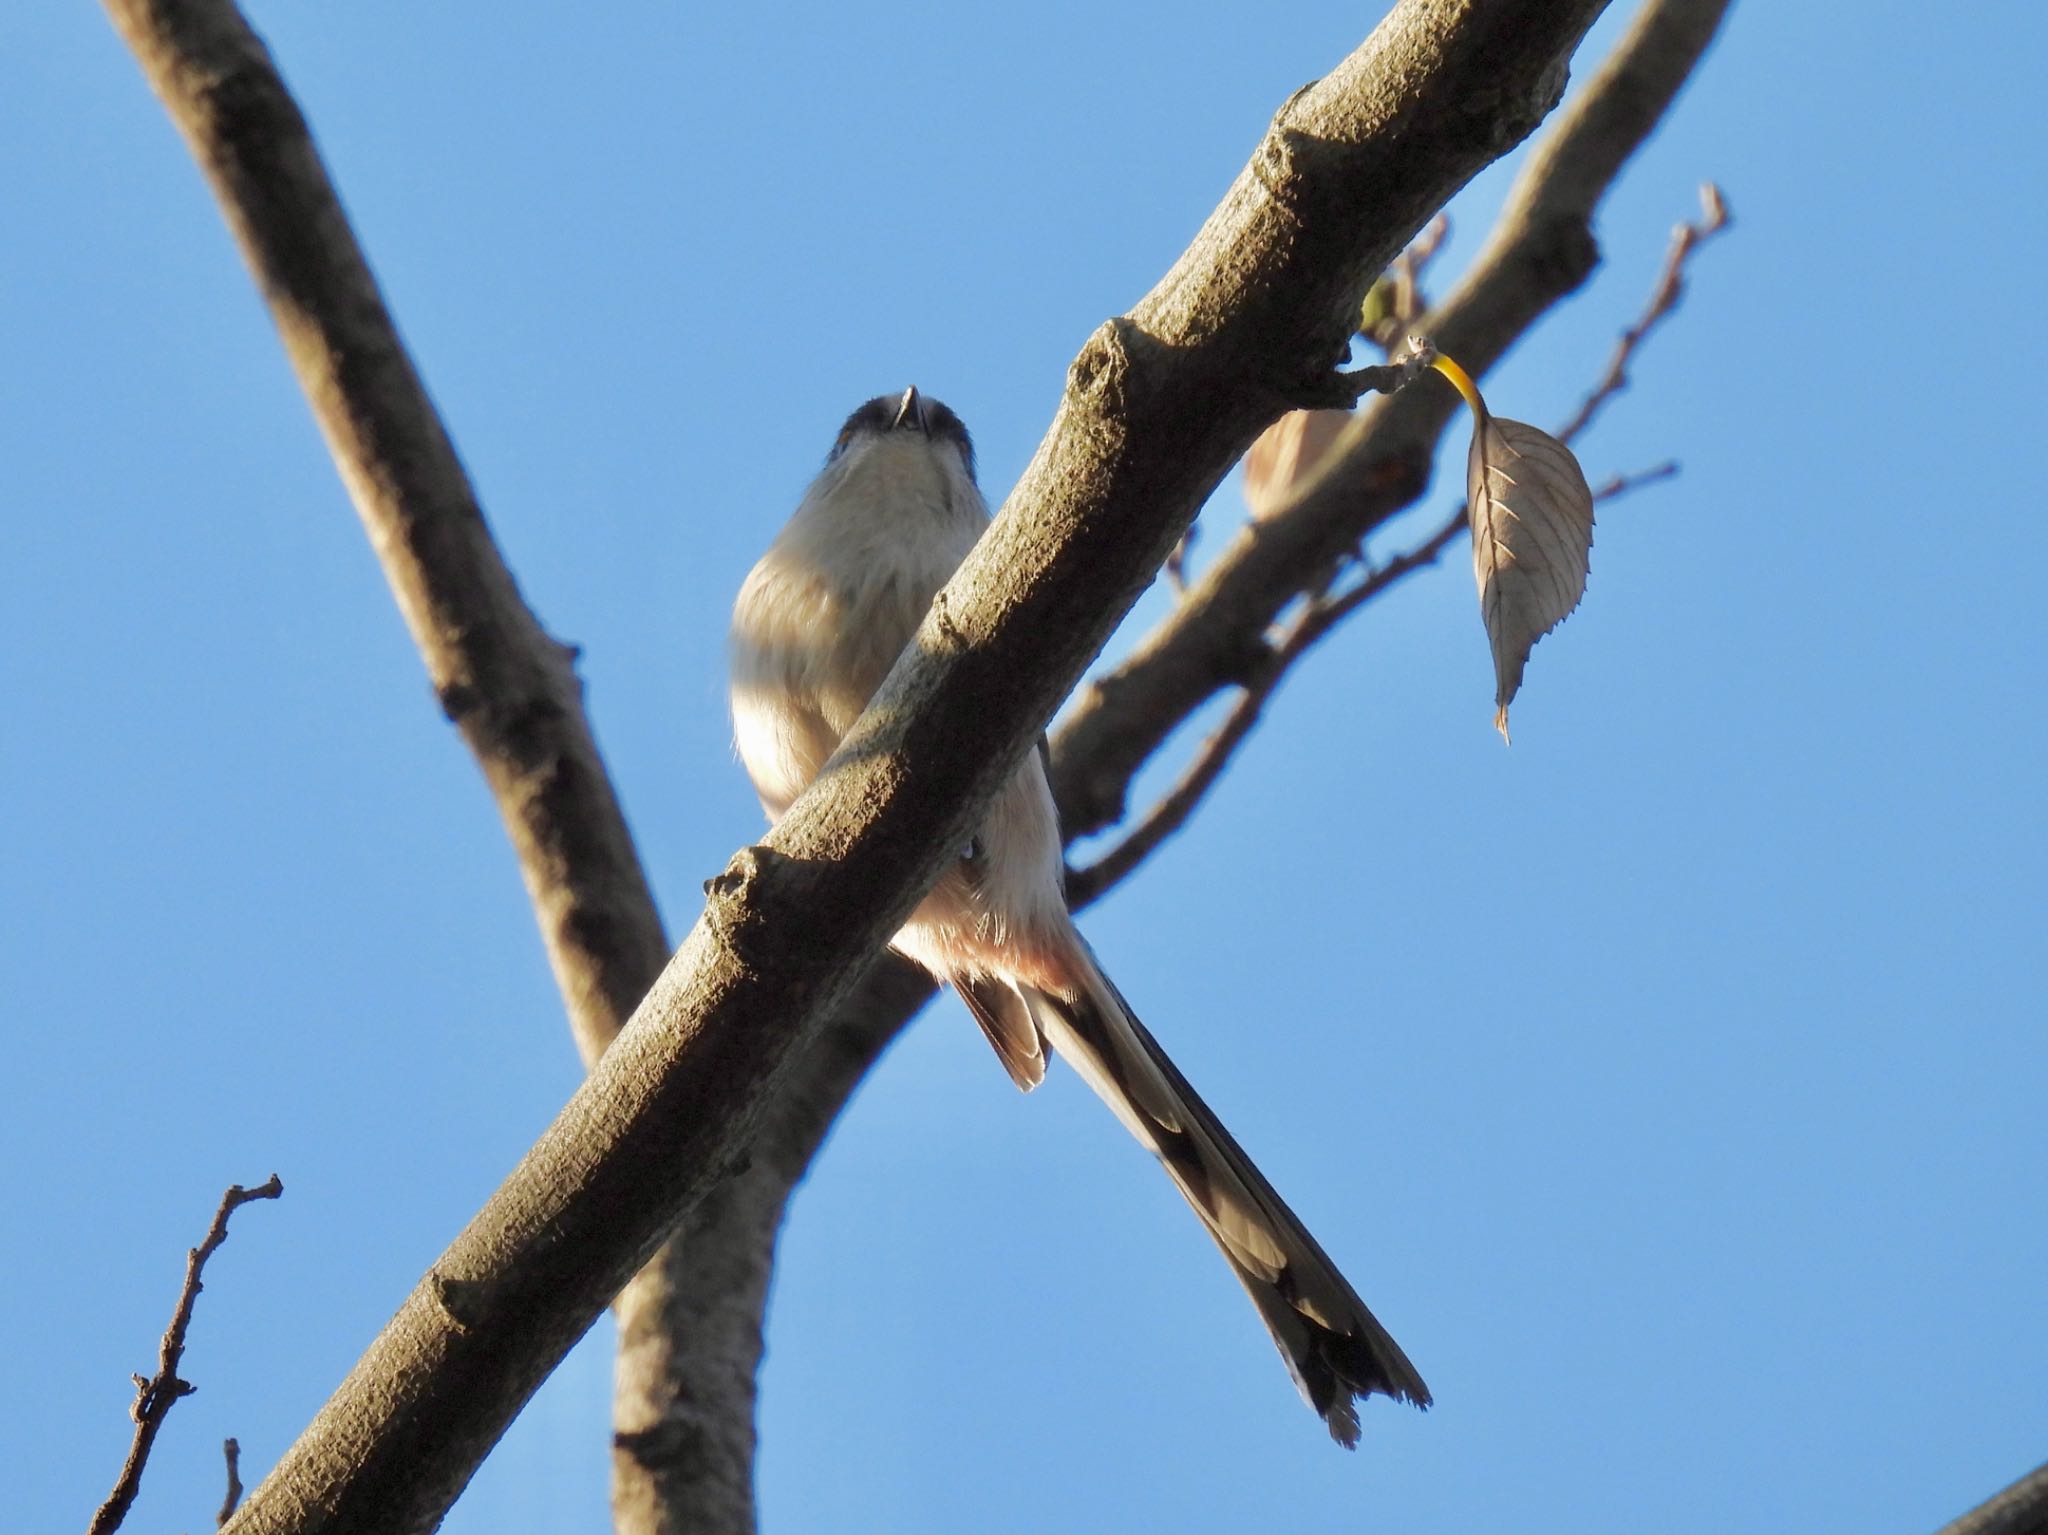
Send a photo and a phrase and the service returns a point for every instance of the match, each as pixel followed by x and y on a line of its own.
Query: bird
pixel 817 625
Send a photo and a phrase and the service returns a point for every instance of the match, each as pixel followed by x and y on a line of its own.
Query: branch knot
pixel 730 915
pixel 463 1301
pixel 1100 374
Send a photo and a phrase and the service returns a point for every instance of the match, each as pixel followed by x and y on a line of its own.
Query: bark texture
pixel 694 1386
pixel 690 1323
pixel 2021 1509
pixel 1157 407
pixel 1159 404
pixel 1541 250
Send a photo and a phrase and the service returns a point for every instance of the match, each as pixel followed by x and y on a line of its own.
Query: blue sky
pixel 1669 1084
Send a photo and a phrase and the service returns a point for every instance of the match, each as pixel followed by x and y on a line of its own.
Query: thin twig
pixel 1323 612
pixel 593 945
pixel 1153 407
pixel 1409 302
pixel 1623 484
pixel 1317 619
pixel 232 1450
pixel 1541 249
pixel 1421 251
pixel 1664 298
pixel 154 1396
pixel 1174 807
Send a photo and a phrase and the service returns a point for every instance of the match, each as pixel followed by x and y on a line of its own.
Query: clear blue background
pixel 1671 1084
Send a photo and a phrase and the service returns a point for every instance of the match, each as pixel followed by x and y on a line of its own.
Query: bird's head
pixel 896 425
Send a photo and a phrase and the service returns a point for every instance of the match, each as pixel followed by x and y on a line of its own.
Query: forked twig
pixel 1316 619
pixel 154 1395
pixel 1664 298
pixel 1323 612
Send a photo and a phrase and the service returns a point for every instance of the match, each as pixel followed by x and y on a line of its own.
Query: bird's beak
pixel 911 411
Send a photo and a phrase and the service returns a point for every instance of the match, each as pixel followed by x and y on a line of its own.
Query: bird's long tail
pixel 1334 1347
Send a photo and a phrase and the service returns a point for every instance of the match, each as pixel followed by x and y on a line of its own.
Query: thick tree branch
pixel 1158 406
pixel 1542 250
pixel 1310 626
pixel 1325 610
pixel 510 688
pixel 2022 1509
pixel 762 1194
pixel 588 913
pixel 690 1322
pixel 684 1405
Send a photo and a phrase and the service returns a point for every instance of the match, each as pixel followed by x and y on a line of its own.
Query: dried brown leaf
pixel 1286 454
pixel 1532 541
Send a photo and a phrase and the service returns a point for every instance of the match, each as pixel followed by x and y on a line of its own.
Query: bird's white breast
pixel 828 609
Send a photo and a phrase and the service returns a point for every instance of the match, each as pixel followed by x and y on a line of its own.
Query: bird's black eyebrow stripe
pixel 878 416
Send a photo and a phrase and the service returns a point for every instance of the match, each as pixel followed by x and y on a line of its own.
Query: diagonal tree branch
pixel 1324 611
pixel 510 688
pixel 1541 250
pixel 1308 628
pixel 1158 405
pixel 690 1322
pixel 2021 1509
pixel 691 1440
pixel 684 1400
pixel 1648 66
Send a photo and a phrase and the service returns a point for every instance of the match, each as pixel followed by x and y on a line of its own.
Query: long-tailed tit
pixel 817 626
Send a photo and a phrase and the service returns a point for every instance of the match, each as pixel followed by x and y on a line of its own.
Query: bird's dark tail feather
pixel 1334 1347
